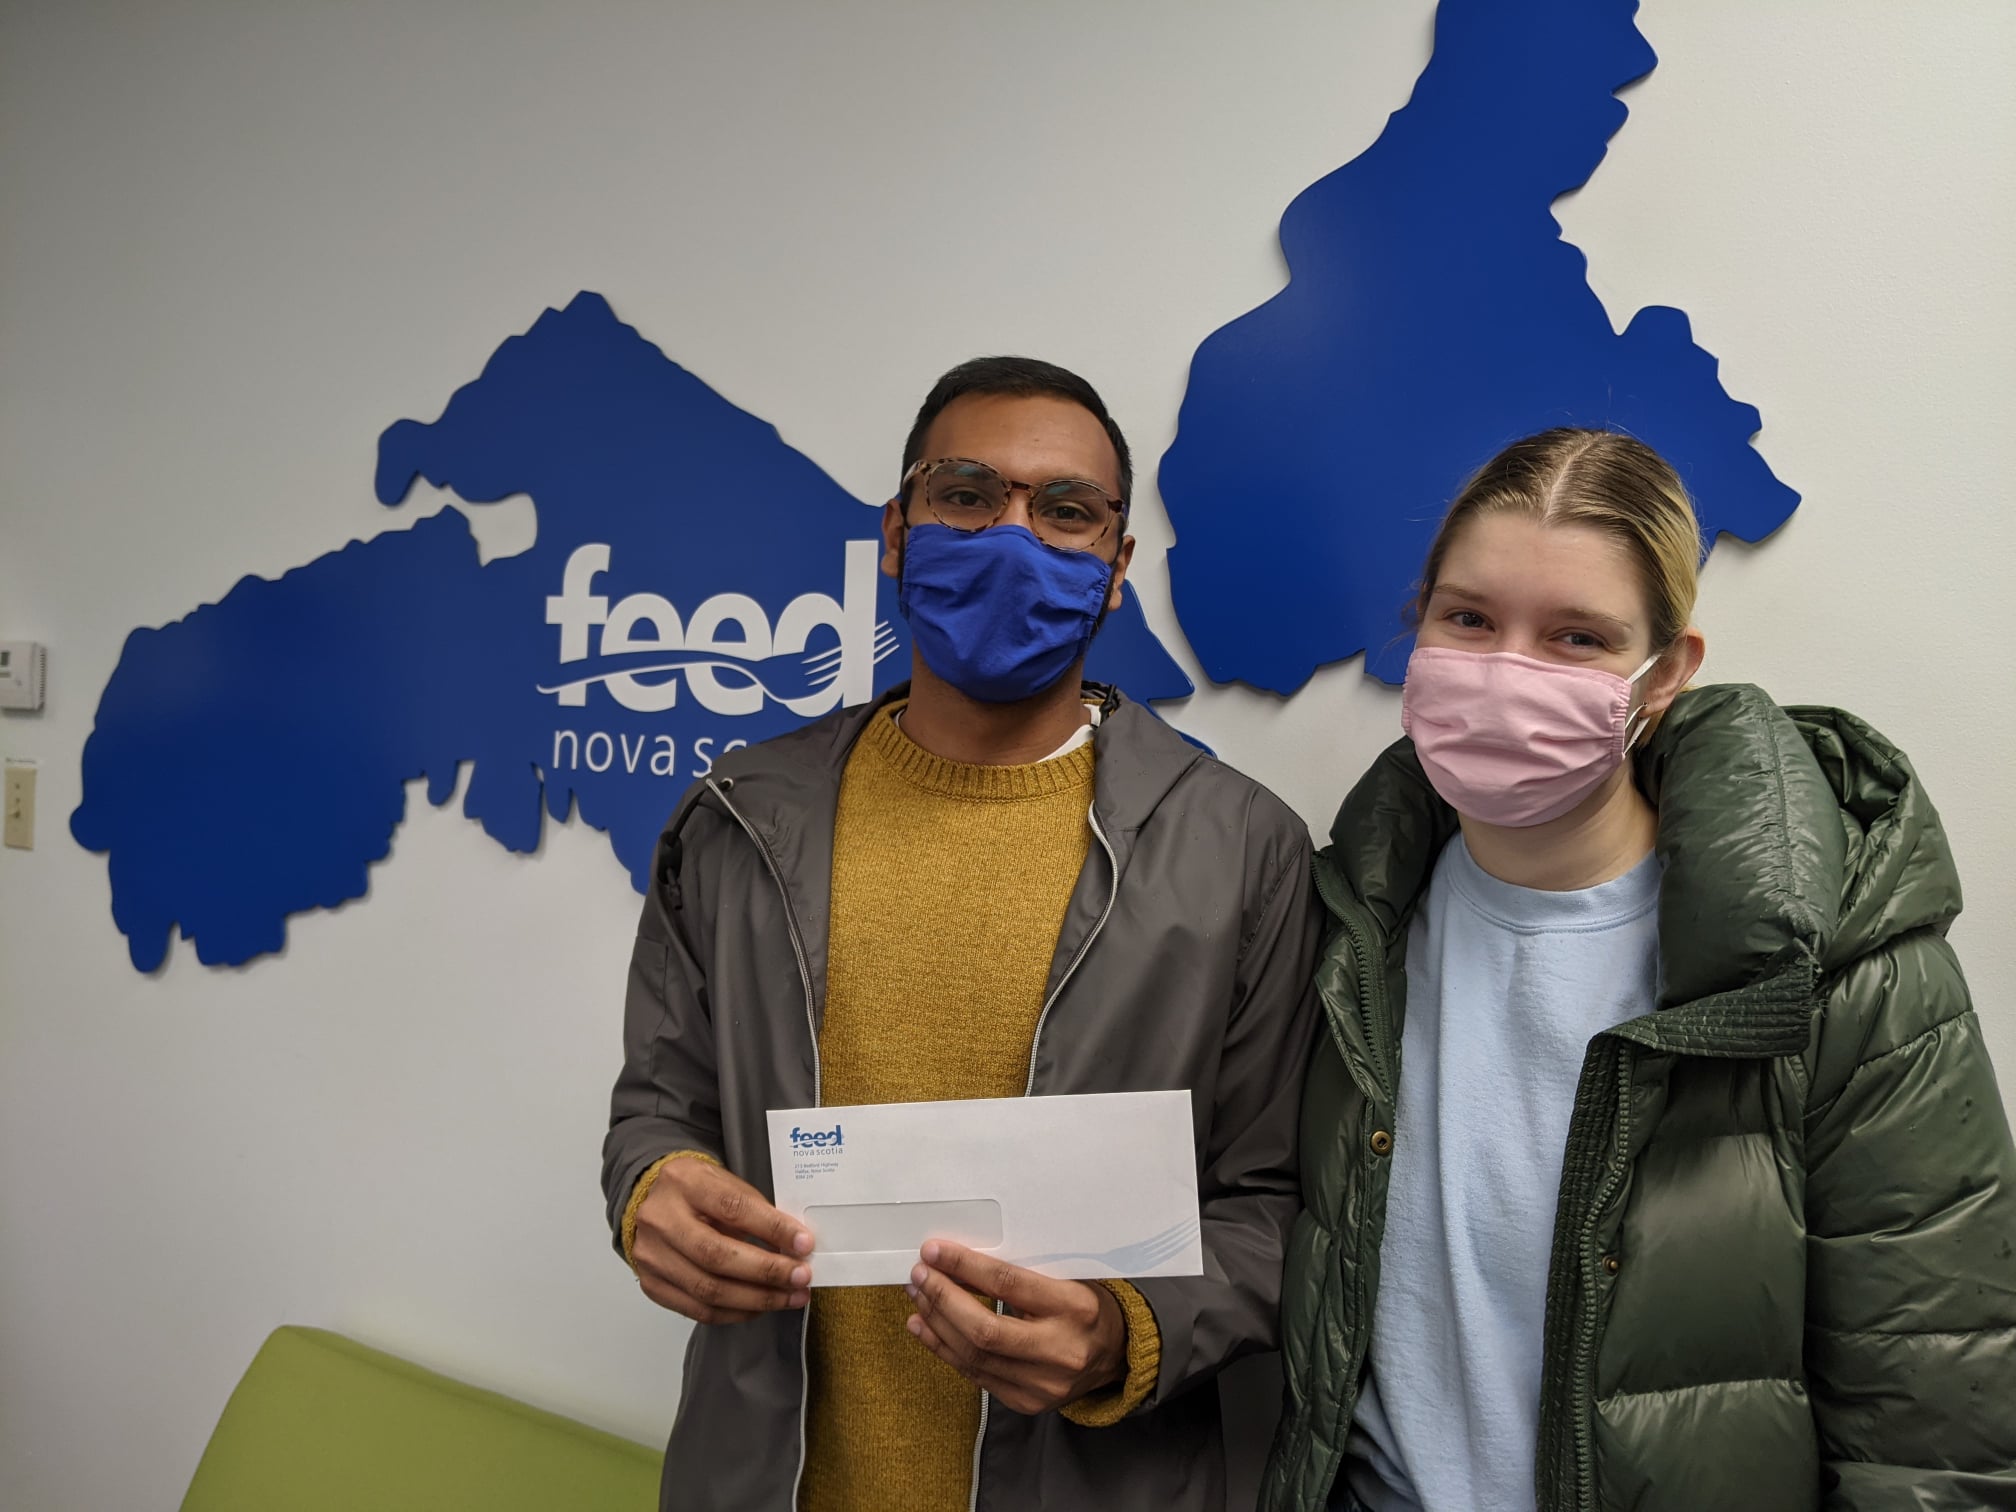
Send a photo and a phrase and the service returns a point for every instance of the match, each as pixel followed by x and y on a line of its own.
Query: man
pixel 996 881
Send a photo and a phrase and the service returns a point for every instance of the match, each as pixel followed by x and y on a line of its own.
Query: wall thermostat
pixel 23 667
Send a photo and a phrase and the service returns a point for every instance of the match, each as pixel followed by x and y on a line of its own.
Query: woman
pixel 1653 1159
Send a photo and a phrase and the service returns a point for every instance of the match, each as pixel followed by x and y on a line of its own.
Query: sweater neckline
pixel 972 780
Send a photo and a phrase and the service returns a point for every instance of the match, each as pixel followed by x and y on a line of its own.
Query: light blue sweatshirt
pixel 1505 988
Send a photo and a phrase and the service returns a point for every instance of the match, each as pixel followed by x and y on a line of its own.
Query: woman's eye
pixel 1582 640
pixel 1467 619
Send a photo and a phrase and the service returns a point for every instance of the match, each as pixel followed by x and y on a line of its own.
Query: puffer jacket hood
pixel 1782 1272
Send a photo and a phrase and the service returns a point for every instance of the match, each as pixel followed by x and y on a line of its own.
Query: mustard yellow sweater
pixel 950 884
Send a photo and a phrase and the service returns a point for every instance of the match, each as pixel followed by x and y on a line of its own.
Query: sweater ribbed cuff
pixel 643 1189
pixel 1102 1409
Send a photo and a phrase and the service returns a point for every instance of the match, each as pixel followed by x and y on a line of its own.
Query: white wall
pixel 237 240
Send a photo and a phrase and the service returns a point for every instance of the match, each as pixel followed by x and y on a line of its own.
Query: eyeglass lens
pixel 1064 512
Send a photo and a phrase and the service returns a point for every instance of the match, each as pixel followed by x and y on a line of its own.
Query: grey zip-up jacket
pixel 1184 961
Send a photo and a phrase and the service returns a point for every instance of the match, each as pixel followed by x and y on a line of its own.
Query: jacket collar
pixel 796 776
pixel 1751 839
pixel 786 791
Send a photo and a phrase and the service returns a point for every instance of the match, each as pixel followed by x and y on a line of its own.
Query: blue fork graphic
pixel 787 675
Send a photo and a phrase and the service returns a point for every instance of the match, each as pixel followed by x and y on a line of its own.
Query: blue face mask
pixel 995 612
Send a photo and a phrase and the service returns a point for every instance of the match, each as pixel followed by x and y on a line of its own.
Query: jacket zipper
pixel 1566 1464
pixel 1029 1085
pixel 1585 1340
pixel 1373 1015
pixel 1371 1005
pixel 719 789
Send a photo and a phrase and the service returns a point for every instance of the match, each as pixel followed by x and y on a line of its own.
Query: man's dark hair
pixel 1019 377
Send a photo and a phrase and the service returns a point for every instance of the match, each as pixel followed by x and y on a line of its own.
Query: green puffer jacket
pixel 1784 1270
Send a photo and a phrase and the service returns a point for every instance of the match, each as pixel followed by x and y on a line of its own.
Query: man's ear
pixel 892 538
pixel 1674 671
pixel 1120 564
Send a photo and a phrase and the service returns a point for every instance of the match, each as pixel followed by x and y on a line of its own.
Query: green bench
pixel 322 1424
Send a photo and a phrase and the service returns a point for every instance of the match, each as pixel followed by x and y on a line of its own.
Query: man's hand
pixel 1063 1340
pixel 709 1247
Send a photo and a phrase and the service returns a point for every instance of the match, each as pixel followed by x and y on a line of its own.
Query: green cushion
pixel 322 1424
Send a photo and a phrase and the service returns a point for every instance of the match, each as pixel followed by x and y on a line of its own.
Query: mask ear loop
pixel 903 565
pixel 1643 721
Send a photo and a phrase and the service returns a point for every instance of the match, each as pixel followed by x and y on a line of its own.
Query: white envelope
pixel 1075 1187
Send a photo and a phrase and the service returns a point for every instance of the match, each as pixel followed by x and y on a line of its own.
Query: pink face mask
pixel 1510 740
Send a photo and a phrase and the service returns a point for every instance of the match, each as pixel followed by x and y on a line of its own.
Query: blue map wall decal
pixel 695 584
pixel 1433 313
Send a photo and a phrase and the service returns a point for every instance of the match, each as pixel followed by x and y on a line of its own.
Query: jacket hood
pixel 1139 758
pixel 1899 870
pixel 1793 842
pixel 786 793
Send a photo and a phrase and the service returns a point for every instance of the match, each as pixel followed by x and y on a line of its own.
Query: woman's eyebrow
pixel 1573 613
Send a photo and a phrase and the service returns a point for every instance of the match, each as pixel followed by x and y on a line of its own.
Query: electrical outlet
pixel 17 805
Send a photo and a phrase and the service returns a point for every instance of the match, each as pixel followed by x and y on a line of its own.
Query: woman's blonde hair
pixel 1602 479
